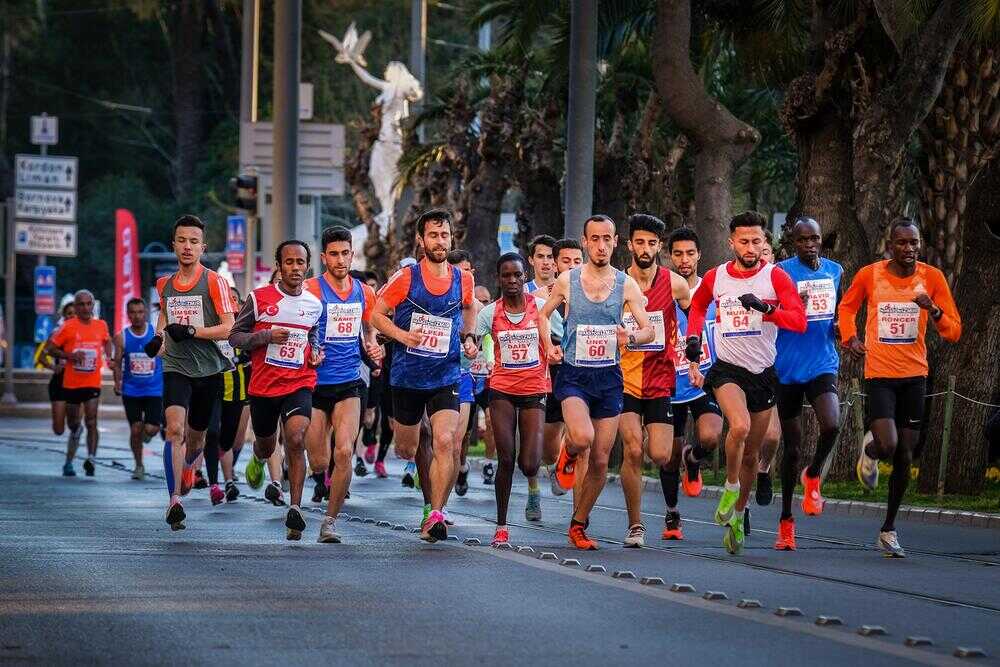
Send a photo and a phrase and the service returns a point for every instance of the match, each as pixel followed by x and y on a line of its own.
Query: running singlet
pixel 340 328
pixel 803 357
pixel 200 304
pixel 746 337
pixel 684 390
pixel 648 370
pixel 141 375
pixel 282 368
pixel 418 298
pixel 895 326
pixel 88 338
pixel 519 364
pixel 591 338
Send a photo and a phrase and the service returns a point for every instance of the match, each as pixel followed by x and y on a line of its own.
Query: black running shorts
pixel 143 409
pixel 899 399
pixel 651 410
pixel 326 396
pixel 196 395
pixel 409 405
pixel 790 396
pixel 265 411
pixel 703 405
pixel 758 387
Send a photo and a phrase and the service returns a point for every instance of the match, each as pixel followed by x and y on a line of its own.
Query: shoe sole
pixel 439 531
pixel 176 519
pixel 590 547
pixel 273 496
pixel 334 539
pixel 294 533
pixel 672 538
pixel 532 517
pixel 634 545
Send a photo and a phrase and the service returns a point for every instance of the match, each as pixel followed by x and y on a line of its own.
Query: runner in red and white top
pixel 752 300
pixel 278 326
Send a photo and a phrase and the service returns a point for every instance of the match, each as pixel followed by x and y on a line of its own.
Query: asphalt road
pixel 90 573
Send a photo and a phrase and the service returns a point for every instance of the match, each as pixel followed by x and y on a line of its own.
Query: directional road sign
pixel 36 204
pixel 40 238
pixel 38 171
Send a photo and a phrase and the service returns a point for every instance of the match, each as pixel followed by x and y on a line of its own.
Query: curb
pixel 44 410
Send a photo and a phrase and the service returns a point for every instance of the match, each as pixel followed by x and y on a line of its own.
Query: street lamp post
pixel 581 115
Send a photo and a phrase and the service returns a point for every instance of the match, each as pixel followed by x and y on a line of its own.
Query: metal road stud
pixel 571 562
pixel 715 595
pixel 829 620
pixel 504 546
pixel 399 526
pixel 368 520
pixel 872 631
pixel 523 549
pixel 969 652
pixel 597 569
pixel 749 603
pixel 788 611
pixel 383 524
pixel 453 538
pixel 919 641
pixel 682 588
pixel 415 530
pixel 652 581
pixel 623 574
pixel 547 555
pixel 472 542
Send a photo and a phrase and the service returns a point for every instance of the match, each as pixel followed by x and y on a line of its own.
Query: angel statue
pixel 398 89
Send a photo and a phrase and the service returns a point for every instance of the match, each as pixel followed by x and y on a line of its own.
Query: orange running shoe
pixel 565 469
pixel 578 538
pixel 187 481
pixel 812 500
pixel 690 483
pixel 672 530
pixel 786 535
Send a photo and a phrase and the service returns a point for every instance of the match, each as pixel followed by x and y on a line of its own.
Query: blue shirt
pixel 141 376
pixel 806 356
pixel 684 391
pixel 340 327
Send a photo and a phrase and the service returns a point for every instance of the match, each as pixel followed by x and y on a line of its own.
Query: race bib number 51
pixel 898 322
pixel 736 321
pixel 185 310
pixel 436 335
pixel 291 353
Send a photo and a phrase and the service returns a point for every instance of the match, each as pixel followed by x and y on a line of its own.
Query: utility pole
pixel 581 115
pixel 248 114
pixel 418 50
pixel 9 397
pixel 287 68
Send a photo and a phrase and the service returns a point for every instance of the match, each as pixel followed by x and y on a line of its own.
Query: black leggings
pixel 384 434
pixel 221 435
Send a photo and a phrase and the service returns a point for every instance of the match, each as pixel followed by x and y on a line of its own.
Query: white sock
pixel 735 486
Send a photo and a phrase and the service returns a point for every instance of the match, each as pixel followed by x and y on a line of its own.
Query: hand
pixel 316 357
pixel 694 375
pixel 412 338
pixel 279 335
pixel 375 352
pixel 470 348
pixel 856 347
pixel 752 302
pixel 76 356
pixel 622 334
pixel 555 354
pixel 924 301
pixel 179 332
pixel 804 297
pixel 692 352
pixel 152 348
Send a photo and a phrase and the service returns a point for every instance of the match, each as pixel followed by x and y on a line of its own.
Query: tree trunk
pixel 188 88
pixel 537 174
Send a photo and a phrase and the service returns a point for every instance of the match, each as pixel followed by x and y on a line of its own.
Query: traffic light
pixel 244 189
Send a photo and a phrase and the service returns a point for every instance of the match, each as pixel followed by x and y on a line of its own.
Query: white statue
pixel 397 91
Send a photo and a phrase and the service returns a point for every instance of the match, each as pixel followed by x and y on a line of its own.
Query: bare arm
pixel 681 290
pixel 635 303
pixel 558 296
pixel 117 362
pixel 388 328
pixel 220 331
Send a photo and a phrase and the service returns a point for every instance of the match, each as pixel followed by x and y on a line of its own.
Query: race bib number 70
pixel 436 335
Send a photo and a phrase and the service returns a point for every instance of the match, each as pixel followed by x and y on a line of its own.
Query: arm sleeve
pixel 314 340
pixel 394 291
pixel 699 304
pixel 790 313
pixel 484 320
pixel 950 324
pixel 242 335
pixel 850 304
pixel 222 298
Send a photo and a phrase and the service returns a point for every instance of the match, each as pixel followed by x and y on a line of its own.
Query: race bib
pixel 518 348
pixel 736 321
pixel 660 334
pixel 343 322
pixel 681 362
pixel 88 364
pixel 596 344
pixel 821 301
pixel 898 322
pixel 186 310
pixel 141 365
pixel 291 353
pixel 437 335
pixel 480 366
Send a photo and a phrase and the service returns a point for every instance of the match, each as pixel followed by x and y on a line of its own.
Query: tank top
pixel 742 337
pixel 519 364
pixel 684 391
pixel 648 369
pixel 282 368
pixel 194 357
pixel 590 337
pixel 141 375
pixel 340 331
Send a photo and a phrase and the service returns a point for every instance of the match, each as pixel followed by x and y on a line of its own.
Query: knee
pixel 580 437
pixel 528 468
pixel 444 444
pixel 632 453
pixel 739 428
pixel 90 421
pixel 406 450
pixel 342 456
pixel 175 433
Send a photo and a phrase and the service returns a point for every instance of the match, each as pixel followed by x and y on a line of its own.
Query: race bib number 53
pixel 436 335
pixel 821 298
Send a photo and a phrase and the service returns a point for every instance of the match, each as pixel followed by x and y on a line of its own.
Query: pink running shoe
pixel 434 528
pixel 370 454
pixel 501 536
pixel 216 494
pixel 380 470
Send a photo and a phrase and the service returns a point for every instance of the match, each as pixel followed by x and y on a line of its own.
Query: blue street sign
pixel 43 328
pixel 45 290
pixel 236 234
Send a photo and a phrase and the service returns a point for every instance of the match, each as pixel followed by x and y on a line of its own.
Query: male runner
pixel 542 260
pixel 519 380
pixel 278 326
pixel 432 320
pixel 764 488
pixel 590 385
pixel 196 311
pixel 648 370
pixel 752 299
pixel 57 398
pixel 336 402
pixel 139 381
pixel 83 342
pixel 807 366
pixel 903 294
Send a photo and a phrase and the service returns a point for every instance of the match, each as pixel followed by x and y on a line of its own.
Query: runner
pixel 139 381
pixel 519 380
pixel 83 342
pixel 764 488
pixel 542 260
pixel 196 311
pixel 648 372
pixel 57 397
pixel 432 319
pixel 278 327
pixel 336 401
pixel 753 299
pixel 902 294
pixel 685 253
pixel 480 368
pixel 590 385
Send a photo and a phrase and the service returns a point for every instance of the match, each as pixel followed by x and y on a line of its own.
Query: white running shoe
pixel 888 542
pixel 554 483
pixel 635 537
pixel 327 532
pixel 447 517
pixel 139 473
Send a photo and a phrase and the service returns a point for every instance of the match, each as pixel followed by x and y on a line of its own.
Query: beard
pixel 643 261
pixel 743 262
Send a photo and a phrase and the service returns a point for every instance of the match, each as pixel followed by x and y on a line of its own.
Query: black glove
pixel 243 357
pixel 152 348
pixel 751 302
pixel 693 349
pixel 179 332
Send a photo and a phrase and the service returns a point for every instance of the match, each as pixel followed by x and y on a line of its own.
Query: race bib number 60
pixel 436 335
pixel 596 344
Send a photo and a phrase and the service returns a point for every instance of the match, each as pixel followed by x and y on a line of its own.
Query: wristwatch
pixel 631 340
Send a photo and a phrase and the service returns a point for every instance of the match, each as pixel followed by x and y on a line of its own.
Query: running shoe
pixel 691 479
pixel 765 489
pixel 187 481
pixel 359 468
pixel 786 535
pixel 724 511
pixel 501 536
pixel 216 494
pixel 867 467
pixel 380 470
pixel 327 531
pixel 416 481
pixel 488 472
pixel 746 520
pixel 319 492
pixel 812 499
pixel 734 537
pixel 888 542
pixel 68 469
pixel 175 515
pixel 565 469
pixel 255 472
pixel 672 528
pixel 370 454
pixel 88 467
pixel 408 471
pixel 533 510
pixel 434 529
pixel 447 517
pixel 139 473
pixel 273 494
pixel 426 513
pixel 294 523
pixel 232 492
pixel 462 481
pixel 199 480
pixel 554 483
pixel 635 537
pixel 578 538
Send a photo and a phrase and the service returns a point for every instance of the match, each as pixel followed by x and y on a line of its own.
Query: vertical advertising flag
pixel 126 264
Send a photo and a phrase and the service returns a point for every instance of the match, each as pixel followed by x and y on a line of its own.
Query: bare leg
pixel 73 420
pixel 443 425
pixel 346 415
pixel 58 417
pixel 135 441
pixel 597 472
pixel 90 419
pixel 630 427
pixel 295 437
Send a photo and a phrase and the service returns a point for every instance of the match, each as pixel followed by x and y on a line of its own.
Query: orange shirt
pixel 398 286
pixel 89 338
pixel 312 285
pixel 895 327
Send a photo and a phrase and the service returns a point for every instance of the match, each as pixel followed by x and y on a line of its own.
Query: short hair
pixel 285 244
pixel 903 222
pixel 598 217
pixel 683 234
pixel 642 222
pixel 83 292
pixel 509 257
pixel 234 288
pixel 188 220
pixel 457 256
pixel 336 235
pixel 134 301
pixel 62 311
pixel 357 274
pixel 542 239
pixel 432 215
pixel 371 275
pixel 564 244
pixel 748 219
pixel 769 236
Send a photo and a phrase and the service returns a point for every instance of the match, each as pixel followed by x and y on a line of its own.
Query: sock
pixel 732 486
pixel 698 452
pixel 168 466
pixel 669 481
pixel 532 484
pixel 236 455
pixel 318 477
